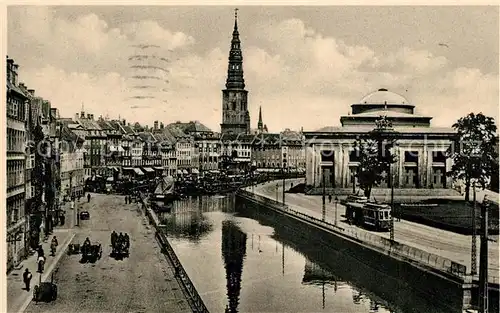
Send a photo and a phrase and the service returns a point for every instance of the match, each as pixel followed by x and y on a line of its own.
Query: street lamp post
pixel 284 164
pixel 277 189
pixel 483 259
pixel 473 263
pixel 336 202
pixel 392 204
pixel 323 211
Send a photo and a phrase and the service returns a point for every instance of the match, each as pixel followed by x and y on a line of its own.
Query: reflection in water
pixel 287 268
pixel 315 274
pixel 186 220
pixel 233 252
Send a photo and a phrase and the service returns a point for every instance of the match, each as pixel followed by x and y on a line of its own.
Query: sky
pixel 303 65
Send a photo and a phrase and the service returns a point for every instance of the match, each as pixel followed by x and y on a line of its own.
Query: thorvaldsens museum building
pixel 420 148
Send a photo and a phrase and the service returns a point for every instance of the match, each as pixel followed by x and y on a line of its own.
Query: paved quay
pixel 143 282
pixel 453 246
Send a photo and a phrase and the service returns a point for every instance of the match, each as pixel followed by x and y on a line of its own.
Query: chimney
pixel 9 69
pixel 32 92
pixel 162 126
pixel 15 68
pixel 76 116
pixel 89 116
pixel 82 114
pixel 155 125
pixel 124 122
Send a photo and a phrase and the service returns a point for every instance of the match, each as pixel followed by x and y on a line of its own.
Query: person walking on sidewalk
pixel 72 204
pixel 62 217
pixel 126 199
pixel 40 251
pixel 41 264
pixel 27 279
pixel 88 197
pixel 53 246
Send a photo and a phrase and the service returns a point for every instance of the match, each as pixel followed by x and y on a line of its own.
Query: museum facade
pixel 419 148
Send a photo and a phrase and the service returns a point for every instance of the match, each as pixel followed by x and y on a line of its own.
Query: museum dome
pixel 383 96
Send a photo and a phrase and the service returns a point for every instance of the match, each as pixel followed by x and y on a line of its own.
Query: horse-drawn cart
pixel 91 253
pixel 120 246
pixel 45 292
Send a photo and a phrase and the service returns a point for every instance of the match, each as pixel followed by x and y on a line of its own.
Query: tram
pixel 370 215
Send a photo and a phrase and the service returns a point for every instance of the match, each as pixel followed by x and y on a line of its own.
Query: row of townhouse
pixel 114 148
pixel 33 167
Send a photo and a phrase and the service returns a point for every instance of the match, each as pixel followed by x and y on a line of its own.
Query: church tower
pixel 260 125
pixel 235 116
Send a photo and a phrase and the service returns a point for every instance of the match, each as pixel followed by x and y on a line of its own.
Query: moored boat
pixel 164 195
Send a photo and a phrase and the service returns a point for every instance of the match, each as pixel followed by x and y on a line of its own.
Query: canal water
pixel 237 260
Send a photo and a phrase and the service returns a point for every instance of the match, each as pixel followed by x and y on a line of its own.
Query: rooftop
pixel 383 96
pixel 368 128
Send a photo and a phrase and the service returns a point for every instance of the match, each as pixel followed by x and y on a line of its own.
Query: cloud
pixel 299 76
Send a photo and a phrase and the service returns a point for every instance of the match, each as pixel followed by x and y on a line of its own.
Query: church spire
pixel 260 125
pixel 235 68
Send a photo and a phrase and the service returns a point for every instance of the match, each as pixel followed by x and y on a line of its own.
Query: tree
pixel 375 157
pixel 473 150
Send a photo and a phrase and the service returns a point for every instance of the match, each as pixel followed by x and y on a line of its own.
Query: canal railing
pixel 411 254
pixel 194 297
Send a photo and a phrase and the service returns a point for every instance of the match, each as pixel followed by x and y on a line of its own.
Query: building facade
pixel 236 152
pixel 420 148
pixel 206 144
pixel 273 152
pixel 72 164
pixel 235 115
pixel 16 221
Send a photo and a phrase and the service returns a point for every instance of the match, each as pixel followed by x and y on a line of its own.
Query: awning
pixel 138 171
pixel 184 172
pixel 214 171
pixel 113 148
pixel 195 171
pixel 127 169
pixel 159 168
pixel 179 172
pixel 148 169
pixel 109 179
pixel 120 149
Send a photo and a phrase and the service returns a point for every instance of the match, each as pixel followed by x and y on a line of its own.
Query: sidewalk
pixel 17 297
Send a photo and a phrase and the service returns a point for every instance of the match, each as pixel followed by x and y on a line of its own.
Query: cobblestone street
pixel 143 282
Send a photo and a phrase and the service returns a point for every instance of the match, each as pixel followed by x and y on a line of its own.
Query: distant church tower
pixel 235 116
pixel 260 125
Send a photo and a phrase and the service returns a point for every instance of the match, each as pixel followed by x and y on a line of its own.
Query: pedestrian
pixel 53 245
pixel 72 204
pixel 41 264
pixel 88 197
pixel 330 198
pixel 62 218
pixel 40 251
pixel 27 279
pixel 126 199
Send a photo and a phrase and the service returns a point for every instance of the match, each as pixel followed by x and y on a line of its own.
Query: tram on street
pixel 370 215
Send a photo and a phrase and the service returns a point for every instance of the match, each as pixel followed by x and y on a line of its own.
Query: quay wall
pixel 396 273
pixel 192 294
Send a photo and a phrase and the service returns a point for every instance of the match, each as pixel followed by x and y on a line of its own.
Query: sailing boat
pixel 164 195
